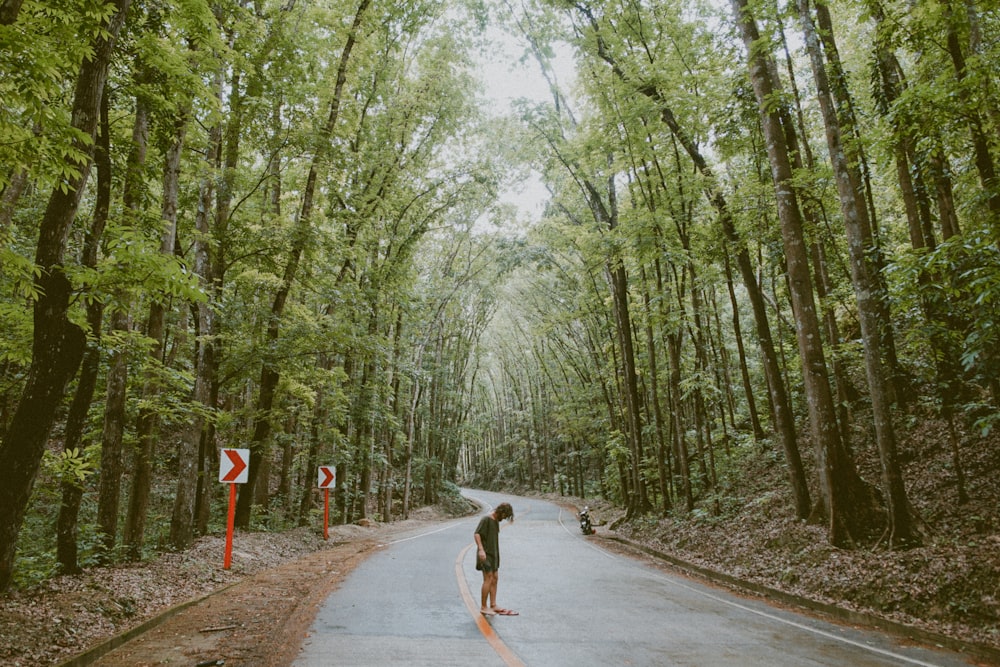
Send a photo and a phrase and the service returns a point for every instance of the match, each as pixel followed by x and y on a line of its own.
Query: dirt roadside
pixel 184 609
pixel 259 621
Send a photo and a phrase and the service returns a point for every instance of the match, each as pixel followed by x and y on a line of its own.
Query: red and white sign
pixel 234 466
pixel 327 477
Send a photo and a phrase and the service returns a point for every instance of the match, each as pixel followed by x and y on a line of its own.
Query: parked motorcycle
pixel 586 527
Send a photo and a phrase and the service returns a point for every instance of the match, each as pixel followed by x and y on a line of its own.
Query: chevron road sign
pixel 327 477
pixel 234 466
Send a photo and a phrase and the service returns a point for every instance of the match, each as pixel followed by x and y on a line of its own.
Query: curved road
pixel 416 602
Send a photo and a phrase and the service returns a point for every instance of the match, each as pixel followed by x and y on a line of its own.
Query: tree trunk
pixel 758 430
pixel 58 344
pixel 395 406
pixel 846 501
pixel 607 216
pixel 192 491
pixel 947 210
pixel 411 432
pixel 723 371
pixel 894 377
pixel 917 207
pixel 9 9
pixel 980 142
pixel 678 440
pixel 867 293
pixel 142 471
pixel 262 490
pixel 312 457
pixel 824 290
pixel 365 445
pixel 654 385
pixel 72 489
pixel 802 158
pixel 11 194
pixel 701 413
pixel 284 492
pixel 90 368
pixel 112 439
pixel 640 502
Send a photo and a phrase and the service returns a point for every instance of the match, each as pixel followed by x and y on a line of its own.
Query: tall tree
pixel 866 288
pixel 781 406
pixel 76 420
pixel 300 237
pixel 58 343
pixel 847 499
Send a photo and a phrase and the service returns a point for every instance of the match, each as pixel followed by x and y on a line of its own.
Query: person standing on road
pixel 488 558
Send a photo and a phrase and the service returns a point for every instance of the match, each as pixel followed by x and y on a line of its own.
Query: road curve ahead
pixel 416 603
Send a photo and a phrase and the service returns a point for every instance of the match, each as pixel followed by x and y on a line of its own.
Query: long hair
pixel 504 511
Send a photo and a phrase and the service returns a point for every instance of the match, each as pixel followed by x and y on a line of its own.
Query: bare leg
pixel 488 592
pixel 493 598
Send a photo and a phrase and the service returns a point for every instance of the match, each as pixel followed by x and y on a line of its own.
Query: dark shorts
pixel 487 565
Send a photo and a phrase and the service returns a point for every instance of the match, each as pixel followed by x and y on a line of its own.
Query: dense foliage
pixel 278 225
pixel 773 228
pixel 271 246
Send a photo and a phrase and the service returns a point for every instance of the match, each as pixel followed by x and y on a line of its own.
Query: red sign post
pixel 234 468
pixel 327 478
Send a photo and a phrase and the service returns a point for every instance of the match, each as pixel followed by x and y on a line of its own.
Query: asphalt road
pixel 416 602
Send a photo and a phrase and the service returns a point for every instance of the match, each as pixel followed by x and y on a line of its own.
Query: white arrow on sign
pixel 327 477
pixel 234 466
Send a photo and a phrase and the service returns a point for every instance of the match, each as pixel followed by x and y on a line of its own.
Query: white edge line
pixel 795 624
pixel 817 631
pixel 604 552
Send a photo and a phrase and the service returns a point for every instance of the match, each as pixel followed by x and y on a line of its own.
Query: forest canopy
pixel 770 229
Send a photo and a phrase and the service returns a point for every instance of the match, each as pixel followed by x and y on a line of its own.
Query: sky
pixel 506 78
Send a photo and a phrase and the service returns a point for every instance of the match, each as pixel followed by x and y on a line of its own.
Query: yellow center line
pixel 504 651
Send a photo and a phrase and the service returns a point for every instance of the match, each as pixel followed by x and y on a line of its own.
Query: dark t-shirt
pixel 489 531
